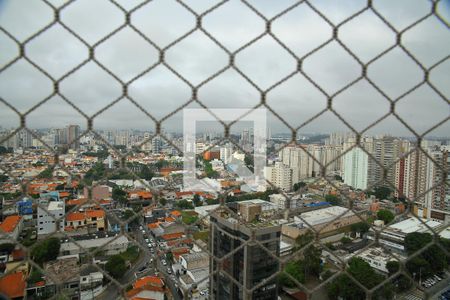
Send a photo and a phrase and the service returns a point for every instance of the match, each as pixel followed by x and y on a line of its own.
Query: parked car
pixel 163 262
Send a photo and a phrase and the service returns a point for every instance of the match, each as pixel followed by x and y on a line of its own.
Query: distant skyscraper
pixel 72 134
pixel 245 137
pixel 23 139
pixel 356 166
pixel 306 160
pixel 156 144
pixel 226 153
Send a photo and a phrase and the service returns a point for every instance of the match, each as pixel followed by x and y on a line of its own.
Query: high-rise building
pixel 306 160
pixel 356 167
pixel 248 264
pixel 279 175
pixel 226 153
pixel 22 139
pixel 157 144
pixel 72 134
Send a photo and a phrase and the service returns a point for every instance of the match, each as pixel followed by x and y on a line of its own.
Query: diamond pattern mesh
pixel 94 42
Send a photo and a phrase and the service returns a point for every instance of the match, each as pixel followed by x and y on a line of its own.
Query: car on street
pixel 169 270
pixel 163 262
pixel 147 240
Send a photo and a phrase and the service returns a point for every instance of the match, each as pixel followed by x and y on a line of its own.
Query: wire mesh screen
pixel 95 224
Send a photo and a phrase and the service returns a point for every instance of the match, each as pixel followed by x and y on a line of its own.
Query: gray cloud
pixel 196 58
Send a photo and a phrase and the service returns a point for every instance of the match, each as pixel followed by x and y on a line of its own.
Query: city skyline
pixel 160 91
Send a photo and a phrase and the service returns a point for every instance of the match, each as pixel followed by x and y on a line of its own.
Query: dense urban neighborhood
pixel 106 215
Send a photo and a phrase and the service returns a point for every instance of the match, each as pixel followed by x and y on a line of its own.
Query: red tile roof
pixel 75 216
pixel 13 285
pixel 132 293
pixel 95 213
pixel 10 223
pixel 172 236
pixel 176 213
pixel 148 280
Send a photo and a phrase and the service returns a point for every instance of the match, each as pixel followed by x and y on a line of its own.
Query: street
pixel 112 291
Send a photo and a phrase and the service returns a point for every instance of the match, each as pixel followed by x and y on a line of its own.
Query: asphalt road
pixel 169 282
pixel 113 291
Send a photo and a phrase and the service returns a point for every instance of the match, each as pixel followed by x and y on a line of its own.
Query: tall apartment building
pixel 373 166
pixel 421 176
pixel 157 144
pixel 437 177
pixel 356 168
pixel 22 139
pixel 226 153
pixel 386 150
pixel 306 160
pixel 279 175
pixel 249 265
pixel 72 134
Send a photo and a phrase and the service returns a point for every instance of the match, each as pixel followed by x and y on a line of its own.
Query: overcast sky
pixel 196 57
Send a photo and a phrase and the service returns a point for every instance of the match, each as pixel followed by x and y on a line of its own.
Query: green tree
pixel 381 192
pixel 385 215
pixel 163 201
pixel 119 195
pixel 35 276
pixel 128 214
pixel 345 288
pixel 333 199
pixel 146 173
pixel 197 201
pixel 337 177
pixel 116 266
pixel 248 160
pixel 304 239
pixel 299 185
pixel 97 172
pixel 430 261
pixel 346 240
pixel 46 250
pixel 169 256
pixel 47 173
pixel 296 270
pixel 184 204
pixel 313 262
pixel 361 227
pixel 401 282
pixel 212 201
pixel 3 178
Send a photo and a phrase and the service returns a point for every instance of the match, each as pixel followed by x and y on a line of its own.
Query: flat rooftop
pixel 323 215
pixel 55 205
pixel 414 225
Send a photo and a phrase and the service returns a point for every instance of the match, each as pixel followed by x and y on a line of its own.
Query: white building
pixel 281 201
pixel 49 214
pixel 377 258
pixel 356 167
pixel 112 246
pixel 393 236
pixel 217 165
pixel 280 175
pixel 226 153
